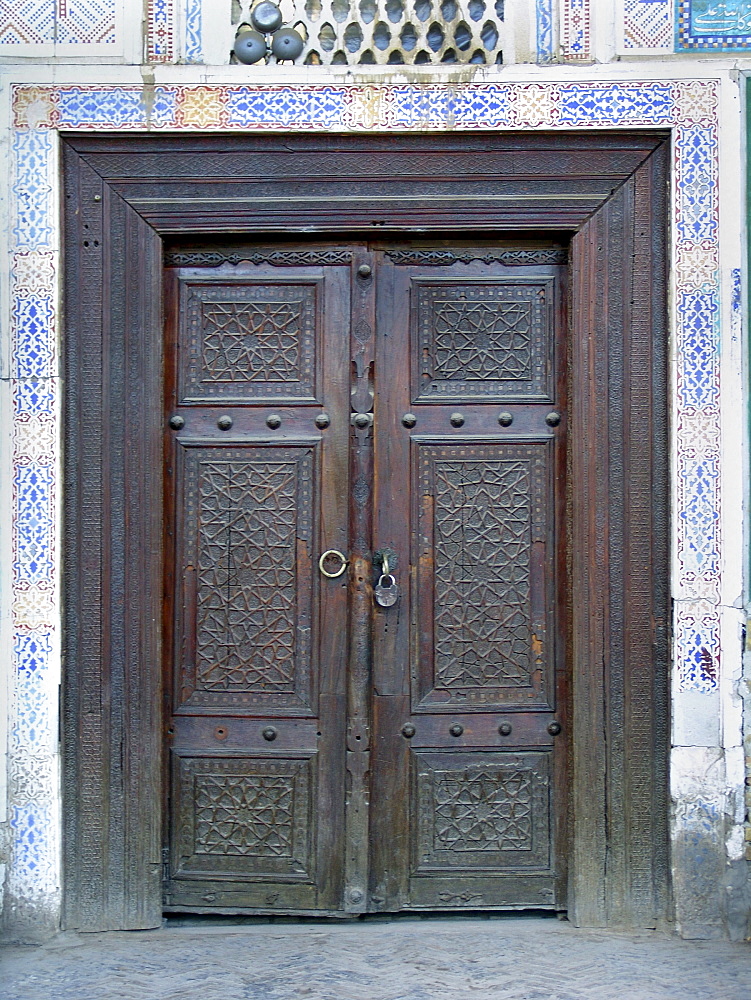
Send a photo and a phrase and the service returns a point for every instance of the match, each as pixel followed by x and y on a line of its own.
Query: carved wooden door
pixel 258 410
pixel 407 409
pixel 468 671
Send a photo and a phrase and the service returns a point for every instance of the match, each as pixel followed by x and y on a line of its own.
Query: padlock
pixel 386 590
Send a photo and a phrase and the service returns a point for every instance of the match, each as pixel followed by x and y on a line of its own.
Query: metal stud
pixel 409 420
pixel 176 423
pixel 322 421
pixel 457 729
pixel 269 733
pixel 224 422
pixel 408 731
pixel 553 419
pixel 505 419
pixel 457 419
pixel 362 420
pixel 365 270
pixel 273 421
pixel 505 729
pixel 554 728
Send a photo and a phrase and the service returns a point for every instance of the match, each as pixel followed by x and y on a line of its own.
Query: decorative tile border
pixel 690 108
pixel 193 27
pixel 544 30
pixel 648 24
pixel 160 31
pixel 576 30
pixel 59 22
pixel 708 26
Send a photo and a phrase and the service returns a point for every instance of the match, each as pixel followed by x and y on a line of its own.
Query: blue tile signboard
pixel 713 25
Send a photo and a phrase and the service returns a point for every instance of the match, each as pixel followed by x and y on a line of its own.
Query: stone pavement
pixel 501 958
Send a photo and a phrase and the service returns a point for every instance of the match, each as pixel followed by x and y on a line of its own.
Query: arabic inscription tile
pixel 713 25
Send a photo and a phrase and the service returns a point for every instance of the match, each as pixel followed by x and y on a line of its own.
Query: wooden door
pixel 327 753
pixel 469 664
pixel 257 444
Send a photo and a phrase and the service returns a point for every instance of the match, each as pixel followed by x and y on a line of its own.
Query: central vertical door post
pixel 360 659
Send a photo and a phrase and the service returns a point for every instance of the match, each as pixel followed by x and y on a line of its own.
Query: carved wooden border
pixel 123 196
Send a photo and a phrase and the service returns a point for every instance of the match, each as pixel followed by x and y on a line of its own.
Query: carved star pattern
pixel 244 814
pixel 247 593
pixel 485 810
pixel 482 539
pixel 251 341
pixel 483 340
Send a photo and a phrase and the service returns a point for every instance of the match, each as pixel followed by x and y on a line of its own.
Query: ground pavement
pixel 501 958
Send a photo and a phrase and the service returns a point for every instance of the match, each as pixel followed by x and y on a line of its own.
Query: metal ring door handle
pixel 339 555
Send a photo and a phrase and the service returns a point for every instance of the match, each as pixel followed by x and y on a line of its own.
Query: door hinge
pixel 165 866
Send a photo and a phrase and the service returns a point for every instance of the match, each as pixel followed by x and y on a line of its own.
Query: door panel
pixel 469 665
pixel 257 492
pixel 248 527
pixel 329 754
pixel 483 593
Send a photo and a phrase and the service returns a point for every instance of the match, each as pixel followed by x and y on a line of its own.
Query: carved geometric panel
pixel 246 342
pixel 482 810
pixel 482 341
pixel 248 527
pixel 241 817
pixel 483 512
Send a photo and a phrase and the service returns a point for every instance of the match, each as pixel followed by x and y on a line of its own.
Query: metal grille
pixel 394 32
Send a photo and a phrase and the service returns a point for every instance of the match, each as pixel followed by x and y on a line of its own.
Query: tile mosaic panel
pixel 648 24
pixel 611 104
pixel 32 189
pixel 193 25
pixel 112 107
pixel 27 22
pixel 85 22
pixel 33 771
pixel 160 31
pixel 709 26
pixel 544 30
pixel 689 107
pixel 697 635
pixel 62 22
pixel 576 30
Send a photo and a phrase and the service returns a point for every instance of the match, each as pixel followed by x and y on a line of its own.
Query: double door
pixel 365 623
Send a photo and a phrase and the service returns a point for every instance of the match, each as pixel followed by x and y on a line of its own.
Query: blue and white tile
pixel 646 26
pixel 32 189
pixel 544 31
pixel 34 514
pixel 612 104
pixel 709 26
pixel 193 35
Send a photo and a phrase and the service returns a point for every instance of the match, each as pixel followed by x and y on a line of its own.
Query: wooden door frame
pixel 123 197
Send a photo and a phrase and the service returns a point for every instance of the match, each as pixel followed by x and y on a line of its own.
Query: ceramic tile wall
pixel 681 26
pixel 689 106
pixel 174 29
pixel 69 22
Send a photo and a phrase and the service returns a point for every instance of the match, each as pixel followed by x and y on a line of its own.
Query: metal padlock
pixel 386 590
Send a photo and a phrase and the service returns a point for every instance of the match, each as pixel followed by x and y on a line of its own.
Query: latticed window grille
pixel 393 32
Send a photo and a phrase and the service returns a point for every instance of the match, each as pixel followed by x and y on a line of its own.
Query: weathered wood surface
pixel 158 188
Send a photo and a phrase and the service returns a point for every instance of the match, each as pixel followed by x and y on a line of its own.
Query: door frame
pixel 124 196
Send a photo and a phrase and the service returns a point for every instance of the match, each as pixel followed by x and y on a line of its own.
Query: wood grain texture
pixel 619 555
pixel 255 492
pixel 112 532
pixel 608 190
